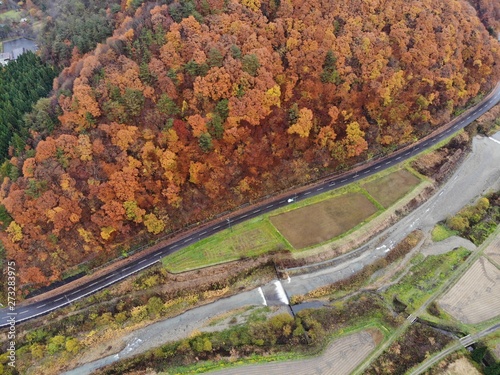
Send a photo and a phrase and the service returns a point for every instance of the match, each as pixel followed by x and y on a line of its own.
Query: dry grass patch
pixel 388 189
pixel 325 220
pixel 461 366
pixel 475 297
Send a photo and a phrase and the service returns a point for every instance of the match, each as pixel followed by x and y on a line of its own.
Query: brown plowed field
pixel 387 190
pixel 325 220
pixel 475 297
pixel 493 251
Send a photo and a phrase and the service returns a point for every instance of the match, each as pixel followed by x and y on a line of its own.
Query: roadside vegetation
pixel 261 339
pixel 92 324
pixel 441 232
pixel 423 279
pixel 476 222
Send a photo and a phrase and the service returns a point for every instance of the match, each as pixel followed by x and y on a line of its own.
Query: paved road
pixel 25 312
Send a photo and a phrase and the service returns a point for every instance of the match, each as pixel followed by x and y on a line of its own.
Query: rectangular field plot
pixel 249 240
pixel 325 220
pixel 493 251
pixel 387 190
pixel 475 297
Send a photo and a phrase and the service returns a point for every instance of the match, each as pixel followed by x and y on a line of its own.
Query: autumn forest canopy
pixel 196 107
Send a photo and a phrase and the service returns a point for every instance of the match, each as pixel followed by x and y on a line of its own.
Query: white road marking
pixel 388 163
pixel 256 211
pixel 332 183
pixel 39 307
pixel 23 312
pixel 217 227
pixel 344 180
pixel 242 216
pixel 271 205
pixel 202 233
pixel 377 167
pixel 307 193
pixel 58 299
pixel 262 295
pixel 399 157
pixel 319 189
pixel 186 240
pixel 142 261
pixel 408 153
pixel 494 140
pixel 97 282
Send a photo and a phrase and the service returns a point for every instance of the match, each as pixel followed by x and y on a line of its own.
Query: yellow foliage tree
pixel 355 142
pixel 15 232
pixel 303 125
pixel 133 211
pixel 153 224
pixel 252 4
pixel 196 169
pixel 106 232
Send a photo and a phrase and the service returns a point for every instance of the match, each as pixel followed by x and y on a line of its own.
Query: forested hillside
pixel 197 107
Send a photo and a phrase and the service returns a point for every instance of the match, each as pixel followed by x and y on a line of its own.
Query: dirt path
pixel 441 247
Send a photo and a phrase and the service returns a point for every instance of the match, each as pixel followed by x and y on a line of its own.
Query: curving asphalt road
pixel 25 312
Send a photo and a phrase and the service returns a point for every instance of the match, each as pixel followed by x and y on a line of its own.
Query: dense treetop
pixel 22 83
pixel 196 107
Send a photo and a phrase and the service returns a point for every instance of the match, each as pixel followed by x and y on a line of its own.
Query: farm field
pixel 388 189
pixel 493 251
pixel 319 222
pixel 342 210
pixel 247 240
pixel 340 358
pixel 475 297
pixel 459 366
